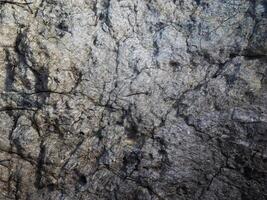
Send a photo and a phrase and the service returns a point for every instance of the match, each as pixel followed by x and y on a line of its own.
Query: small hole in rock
pixel 82 180
pixel 174 63
pixel 81 133
pixel 51 187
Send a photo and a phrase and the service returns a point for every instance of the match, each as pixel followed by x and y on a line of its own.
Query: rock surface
pixel 133 99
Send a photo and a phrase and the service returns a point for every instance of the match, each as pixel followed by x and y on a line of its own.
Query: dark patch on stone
pixel 10 72
pixel 82 180
pixel 40 167
pixel 197 2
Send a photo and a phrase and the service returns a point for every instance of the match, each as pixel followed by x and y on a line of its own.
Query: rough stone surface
pixel 133 99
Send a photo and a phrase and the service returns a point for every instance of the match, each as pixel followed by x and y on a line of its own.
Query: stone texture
pixel 133 99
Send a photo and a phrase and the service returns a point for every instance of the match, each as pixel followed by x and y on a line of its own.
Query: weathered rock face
pixel 133 99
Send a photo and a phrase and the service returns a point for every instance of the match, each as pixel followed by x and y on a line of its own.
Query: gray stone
pixel 133 99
